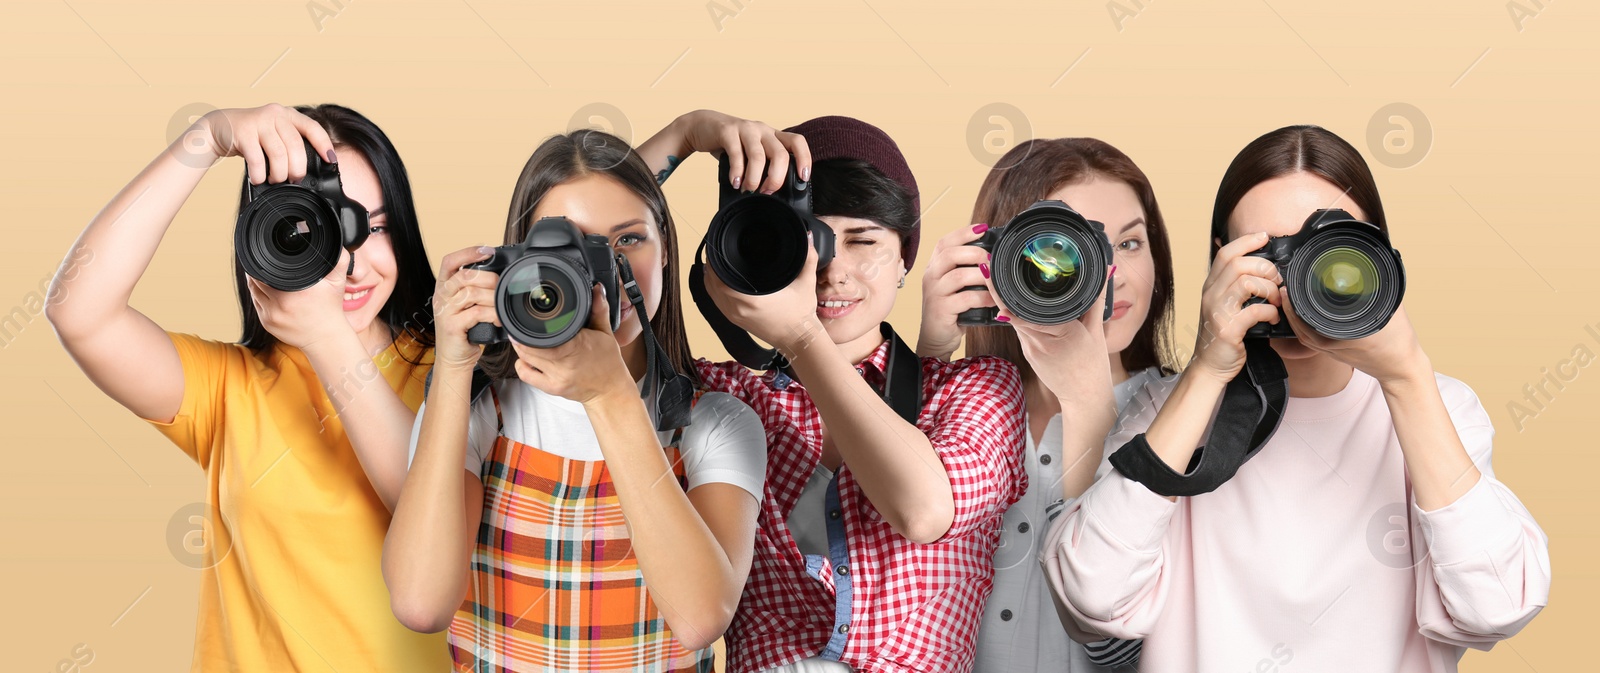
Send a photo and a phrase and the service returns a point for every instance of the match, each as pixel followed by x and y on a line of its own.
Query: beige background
pixel 1493 212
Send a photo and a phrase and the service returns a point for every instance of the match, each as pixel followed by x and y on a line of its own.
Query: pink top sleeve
pixel 1106 554
pixel 1487 569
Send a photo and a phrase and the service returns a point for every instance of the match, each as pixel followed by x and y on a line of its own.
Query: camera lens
pixel 288 238
pixel 544 298
pixel 1048 266
pixel 1345 283
pixel 545 301
pixel 757 245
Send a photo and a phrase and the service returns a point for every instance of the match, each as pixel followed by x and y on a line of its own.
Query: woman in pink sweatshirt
pixel 1369 533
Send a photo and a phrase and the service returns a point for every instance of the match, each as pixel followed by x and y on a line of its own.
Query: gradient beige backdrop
pixel 1476 115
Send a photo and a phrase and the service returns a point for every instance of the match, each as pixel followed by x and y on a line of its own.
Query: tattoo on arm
pixel 672 165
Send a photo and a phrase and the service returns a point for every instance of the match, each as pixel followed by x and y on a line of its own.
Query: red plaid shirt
pixel 911 607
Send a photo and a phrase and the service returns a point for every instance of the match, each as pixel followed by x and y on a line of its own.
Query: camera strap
pixel 671 391
pixel 738 342
pixel 1252 406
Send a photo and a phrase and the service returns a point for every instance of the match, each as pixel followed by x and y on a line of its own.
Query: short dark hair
pixel 855 188
pixel 409 310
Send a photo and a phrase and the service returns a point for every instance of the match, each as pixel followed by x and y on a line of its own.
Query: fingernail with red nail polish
pixel 1002 318
pixel 984 269
pixel 979 228
pixel 1113 271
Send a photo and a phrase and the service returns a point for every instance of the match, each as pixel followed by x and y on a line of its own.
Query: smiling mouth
pixel 352 296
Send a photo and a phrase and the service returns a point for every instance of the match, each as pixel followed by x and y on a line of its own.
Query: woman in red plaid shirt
pixel 875 538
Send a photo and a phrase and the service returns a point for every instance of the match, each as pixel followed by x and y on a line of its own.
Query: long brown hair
pixel 584 152
pixel 1035 169
pixel 1293 149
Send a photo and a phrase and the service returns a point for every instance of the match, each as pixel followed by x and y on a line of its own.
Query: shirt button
pixel 1022 527
pixel 843 569
pixel 833 514
pixel 844 628
pixel 1005 615
pixel 1045 459
pixel 861 370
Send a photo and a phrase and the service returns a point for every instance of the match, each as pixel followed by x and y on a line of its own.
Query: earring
pixel 902 282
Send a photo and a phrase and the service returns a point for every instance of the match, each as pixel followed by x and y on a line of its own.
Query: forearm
pixel 1436 461
pixel 377 422
pixel 427 547
pixel 688 572
pixel 1083 437
pixel 663 151
pixel 1181 423
pixel 898 469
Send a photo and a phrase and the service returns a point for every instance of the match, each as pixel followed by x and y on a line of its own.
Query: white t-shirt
pixel 723 443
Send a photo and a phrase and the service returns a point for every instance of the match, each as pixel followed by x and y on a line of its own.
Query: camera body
pixel 1048 266
pixel 756 243
pixel 289 234
pixel 1344 278
pixel 544 295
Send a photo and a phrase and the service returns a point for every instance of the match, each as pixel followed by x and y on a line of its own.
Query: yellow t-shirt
pixel 291 578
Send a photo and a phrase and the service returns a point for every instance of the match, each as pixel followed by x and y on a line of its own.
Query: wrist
pixel 1415 371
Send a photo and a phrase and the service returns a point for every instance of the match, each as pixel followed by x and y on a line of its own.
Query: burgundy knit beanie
pixel 837 137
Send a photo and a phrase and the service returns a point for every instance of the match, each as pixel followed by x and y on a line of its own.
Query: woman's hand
pixel 1069 358
pixel 758 154
pixel 462 298
pixel 586 369
pixel 307 317
pixel 955 266
pixel 271 138
pixel 1391 355
pixel 787 319
pixel 1224 317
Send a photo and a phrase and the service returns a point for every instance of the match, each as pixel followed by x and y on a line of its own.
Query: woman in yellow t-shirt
pixel 302 427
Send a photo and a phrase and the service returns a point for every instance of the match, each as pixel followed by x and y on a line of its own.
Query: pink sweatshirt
pixel 1314 557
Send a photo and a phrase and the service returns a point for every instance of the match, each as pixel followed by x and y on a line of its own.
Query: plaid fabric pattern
pixel 555 585
pixel 915 607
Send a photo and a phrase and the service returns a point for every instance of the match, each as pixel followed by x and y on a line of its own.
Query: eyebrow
pixel 376 212
pixel 627 225
pixel 1134 223
pixel 865 229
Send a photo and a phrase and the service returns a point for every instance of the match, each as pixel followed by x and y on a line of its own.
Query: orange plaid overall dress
pixel 555 586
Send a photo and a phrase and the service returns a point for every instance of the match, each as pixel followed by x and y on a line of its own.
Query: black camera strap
pixel 738 342
pixel 671 391
pixel 1252 406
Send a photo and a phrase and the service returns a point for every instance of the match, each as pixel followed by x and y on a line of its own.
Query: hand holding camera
pixel 270 139
pixel 584 368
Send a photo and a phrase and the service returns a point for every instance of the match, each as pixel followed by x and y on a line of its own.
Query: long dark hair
pixel 409 310
pixel 563 158
pixel 1037 168
pixel 1294 149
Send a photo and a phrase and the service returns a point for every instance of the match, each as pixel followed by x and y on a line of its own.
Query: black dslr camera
pixel 757 243
pixel 1048 266
pixel 544 296
pixel 289 234
pixel 1344 278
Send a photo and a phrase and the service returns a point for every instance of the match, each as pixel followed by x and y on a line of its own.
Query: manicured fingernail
pixel 984 268
pixel 332 158
pixel 1002 318
pixel 979 228
pixel 1113 273
pixel 805 174
pixel 736 180
pixel 485 250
